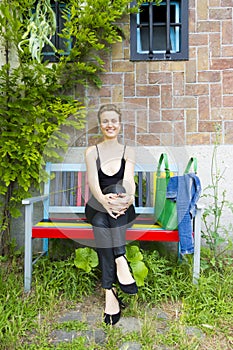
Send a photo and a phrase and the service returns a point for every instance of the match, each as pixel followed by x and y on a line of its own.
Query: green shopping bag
pixel 165 211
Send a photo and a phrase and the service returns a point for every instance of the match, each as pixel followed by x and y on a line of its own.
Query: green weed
pixel 27 320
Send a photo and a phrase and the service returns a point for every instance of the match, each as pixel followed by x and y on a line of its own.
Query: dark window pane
pixel 58 42
pixel 159 28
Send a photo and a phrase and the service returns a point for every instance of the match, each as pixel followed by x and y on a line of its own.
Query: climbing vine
pixel 37 99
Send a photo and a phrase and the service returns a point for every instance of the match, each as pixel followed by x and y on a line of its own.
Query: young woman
pixel 110 210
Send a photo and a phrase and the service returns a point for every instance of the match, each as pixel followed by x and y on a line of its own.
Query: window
pixel 160 32
pixel 57 41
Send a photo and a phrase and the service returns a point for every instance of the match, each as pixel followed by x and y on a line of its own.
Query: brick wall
pixel 174 103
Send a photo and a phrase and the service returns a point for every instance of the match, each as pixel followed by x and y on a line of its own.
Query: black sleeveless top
pixel 108 180
pixel 109 184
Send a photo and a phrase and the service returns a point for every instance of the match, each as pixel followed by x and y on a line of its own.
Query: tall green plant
pixel 32 113
pixel 215 232
pixel 34 101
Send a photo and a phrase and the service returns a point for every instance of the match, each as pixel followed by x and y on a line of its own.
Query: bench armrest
pixel 32 200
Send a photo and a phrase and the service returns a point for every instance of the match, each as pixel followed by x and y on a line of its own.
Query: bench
pixel 64 201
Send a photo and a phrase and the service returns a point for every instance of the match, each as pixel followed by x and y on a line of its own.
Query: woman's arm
pixel 92 173
pixel 128 180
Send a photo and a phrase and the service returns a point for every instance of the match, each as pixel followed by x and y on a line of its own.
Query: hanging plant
pixel 41 28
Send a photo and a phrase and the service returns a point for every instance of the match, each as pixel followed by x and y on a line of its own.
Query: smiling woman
pixel 110 169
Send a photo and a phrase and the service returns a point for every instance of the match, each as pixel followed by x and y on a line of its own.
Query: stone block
pixel 221 63
pixel 216 95
pixel 142 73
pixel 166 96
pixel 214 45
pixel 117 93
pixel 227 32
pixel 191 120
pixel 228 101
pixel 203 108
pixel 122 66
pixel 147 90
pixel 209 76
pixel 154 108
pixel 208 26
pixel 220 13
pixel 203 58
pixel 228 133
pixel 160 127
pixel 228 82
pixel 117 51
pixel 137 102
pixel 179 133
pixel 160 78
pixel 178 83
pixel 112 78
pixel 191 71
pixel 196 89
pixel 148 140
pixel 202 9
pixel 185 102
pixel 198 138
pixel 207 126
pixel 172 114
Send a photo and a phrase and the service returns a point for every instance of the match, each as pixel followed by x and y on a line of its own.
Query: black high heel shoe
pixel 113 319
pixel 131 288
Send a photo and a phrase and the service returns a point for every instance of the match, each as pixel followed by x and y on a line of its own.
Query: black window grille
pixel 159 32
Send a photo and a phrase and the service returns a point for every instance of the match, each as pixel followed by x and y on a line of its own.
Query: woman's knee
pixel 100 220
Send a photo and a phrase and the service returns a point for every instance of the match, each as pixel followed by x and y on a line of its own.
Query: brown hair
pixel 109 107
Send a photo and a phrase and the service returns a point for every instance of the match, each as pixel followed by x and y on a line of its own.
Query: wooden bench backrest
pixel 68 188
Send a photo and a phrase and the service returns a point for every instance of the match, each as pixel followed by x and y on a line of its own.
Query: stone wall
pixel 178 102
pixel 174 106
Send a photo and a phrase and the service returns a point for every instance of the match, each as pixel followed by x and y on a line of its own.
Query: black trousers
pixel 109 238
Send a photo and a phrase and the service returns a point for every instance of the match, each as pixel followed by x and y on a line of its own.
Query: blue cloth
pixel 185 190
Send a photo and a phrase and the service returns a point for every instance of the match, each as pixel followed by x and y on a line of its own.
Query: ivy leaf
pixel 133 254
pixel 140 272
pixel 86 259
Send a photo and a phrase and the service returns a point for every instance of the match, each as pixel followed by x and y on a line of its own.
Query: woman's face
pixel 110 124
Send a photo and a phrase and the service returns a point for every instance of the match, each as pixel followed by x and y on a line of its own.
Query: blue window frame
pixel 159 32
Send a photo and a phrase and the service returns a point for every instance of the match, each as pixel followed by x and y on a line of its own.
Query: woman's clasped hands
pixel 116 204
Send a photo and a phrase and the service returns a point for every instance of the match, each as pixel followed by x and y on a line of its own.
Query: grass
pixel 206 309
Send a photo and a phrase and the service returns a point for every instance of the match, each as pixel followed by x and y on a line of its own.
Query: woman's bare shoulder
pixel 130 153
pixel 90 151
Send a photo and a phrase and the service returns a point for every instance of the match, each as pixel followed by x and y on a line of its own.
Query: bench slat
pixel 84 231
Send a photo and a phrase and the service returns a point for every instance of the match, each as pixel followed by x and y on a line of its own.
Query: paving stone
pixel 194 331
pixel 97 335
pixel 59 336
pixel 161 347
pixel 162 315
pixel 129 324
pixel 131 346
pixel 71 316
pixel 93 319
pixel 159 314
